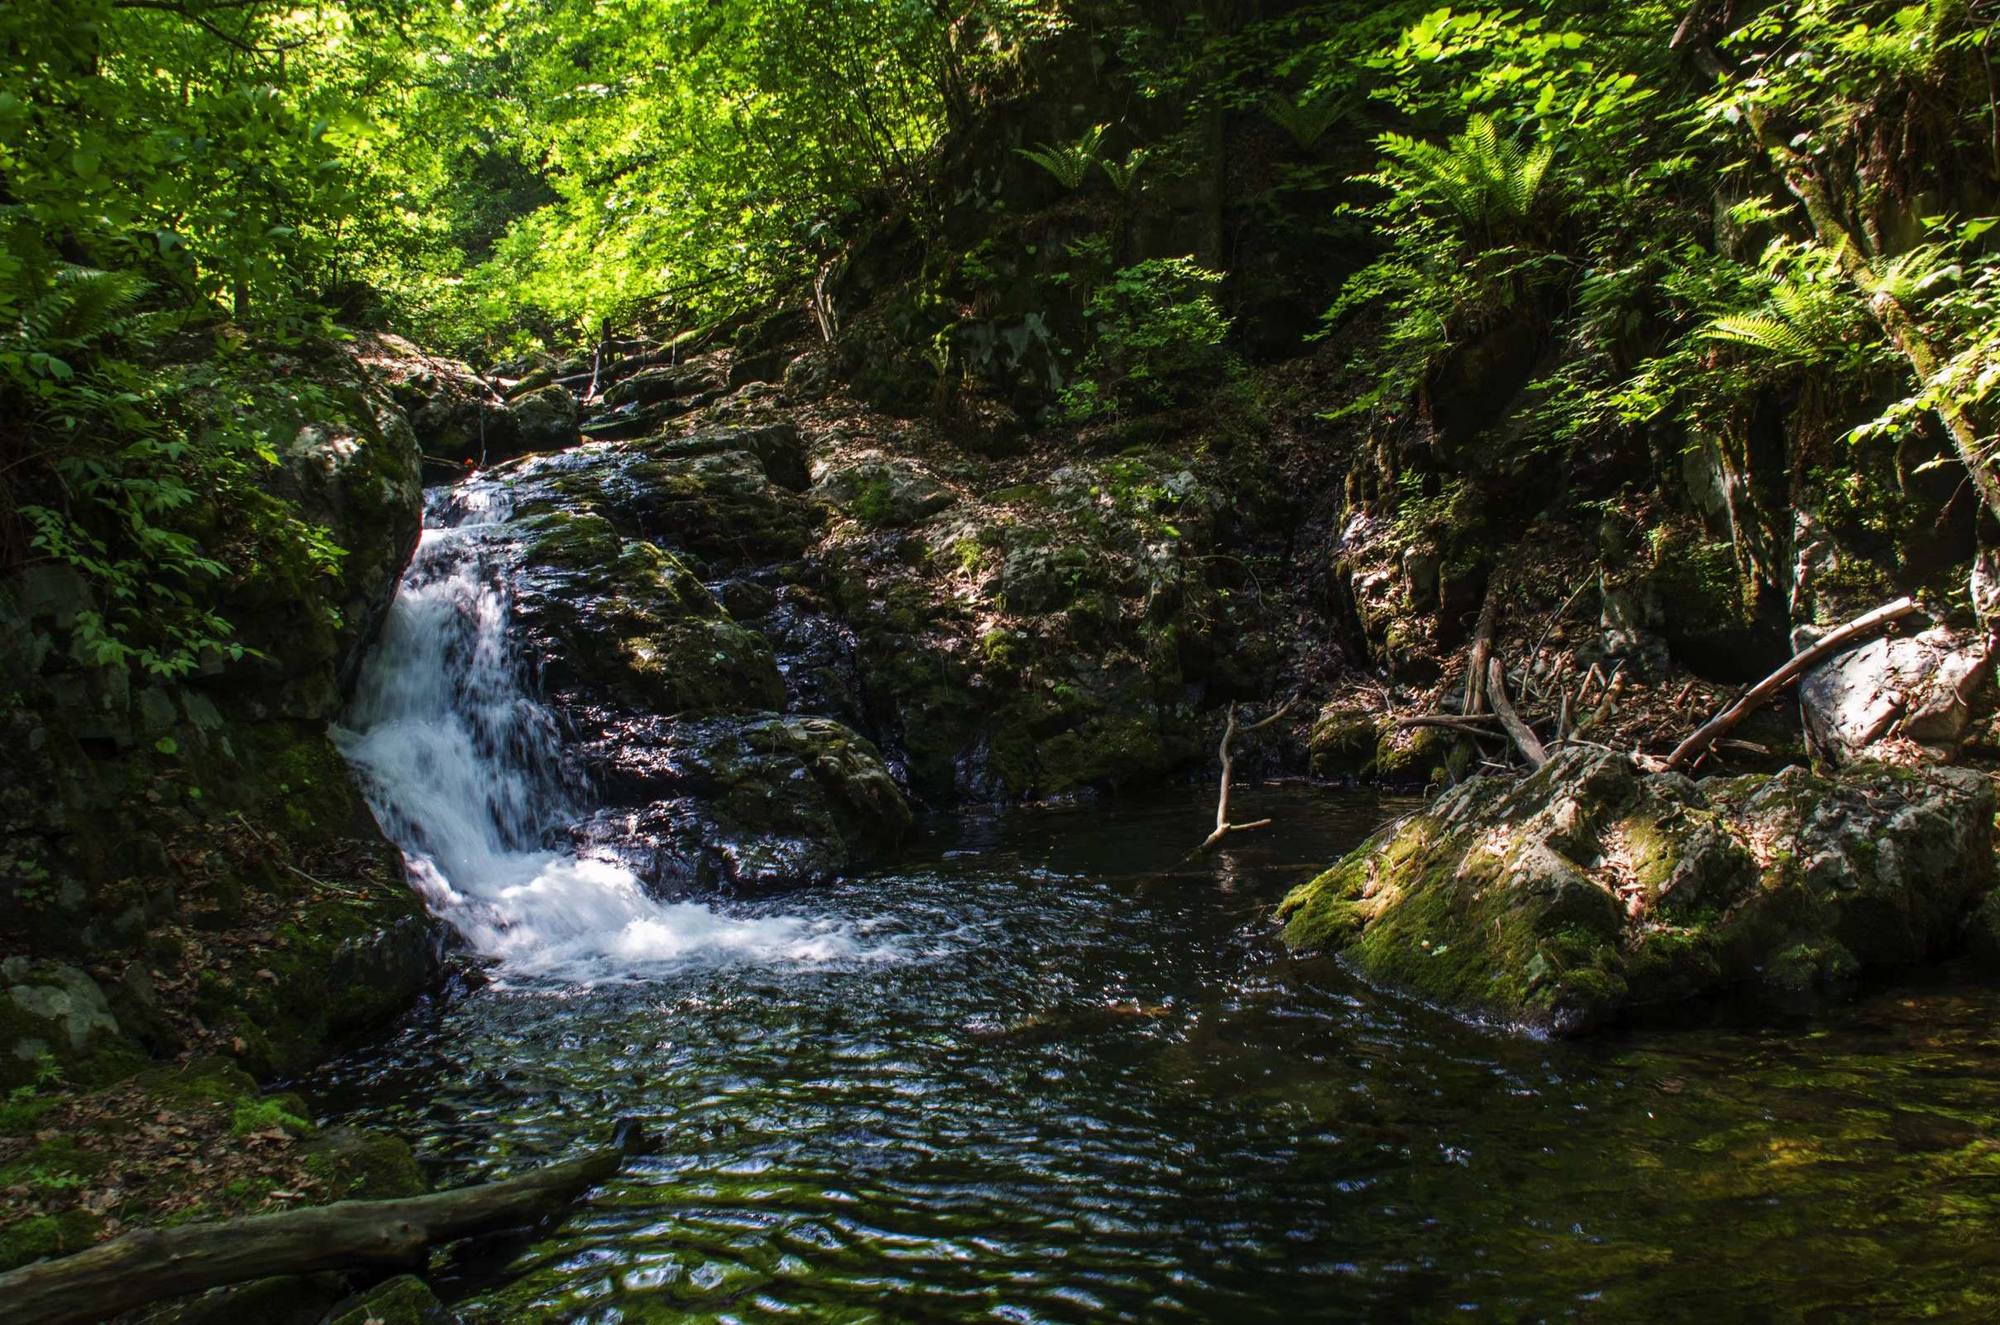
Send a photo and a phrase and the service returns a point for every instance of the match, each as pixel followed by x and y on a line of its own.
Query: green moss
pixel 363 1165
pixel 38 1236
pixel 262 1115
pixel 404 1300
pixel 1343 742
pixel 1417 756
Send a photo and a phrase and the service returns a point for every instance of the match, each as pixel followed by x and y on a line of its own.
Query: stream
pixel 1046 1069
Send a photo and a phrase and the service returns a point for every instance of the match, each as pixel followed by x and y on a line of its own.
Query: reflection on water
pixel 1092 1087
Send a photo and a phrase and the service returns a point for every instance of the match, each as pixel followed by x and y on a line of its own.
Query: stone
pixel 880 492
pixel 1924 687
pixel 1591 891
pixel 404 1300
pixel 545 419
pixel 622 622
pixel 741 804
pixel 56 1014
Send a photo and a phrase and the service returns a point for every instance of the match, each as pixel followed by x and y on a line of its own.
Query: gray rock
pixel 545 419
pixel 880 492
pixel 1923 687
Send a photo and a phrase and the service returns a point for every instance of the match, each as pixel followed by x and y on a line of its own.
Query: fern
pixel 1768 332
pixel 1308 119
pixel 1124 174
pixel 1069 163
pixel 1482 176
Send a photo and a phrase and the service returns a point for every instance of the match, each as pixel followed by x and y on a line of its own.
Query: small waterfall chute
pixel 463 768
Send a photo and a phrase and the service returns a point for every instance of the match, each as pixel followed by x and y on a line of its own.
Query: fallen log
pixel 1503 708
pixel 1802 662
pixel 154 1264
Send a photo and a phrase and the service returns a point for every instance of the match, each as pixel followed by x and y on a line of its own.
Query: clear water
pixel 1089 1085
pixel 1047 1068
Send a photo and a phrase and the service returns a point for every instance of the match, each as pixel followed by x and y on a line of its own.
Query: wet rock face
pixel 742 804
pixel 628 560
pixel 1591 890
pixel 459 414
pixel 623 622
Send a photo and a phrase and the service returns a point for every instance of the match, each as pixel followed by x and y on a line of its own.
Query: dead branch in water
pixel 1223 828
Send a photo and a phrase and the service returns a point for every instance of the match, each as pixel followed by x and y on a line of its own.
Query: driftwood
pixel 1804 661
pixel 153 1264
pixel 1223 828
pixel 1496 690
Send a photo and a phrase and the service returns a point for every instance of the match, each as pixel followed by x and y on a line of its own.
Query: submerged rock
pixel 1592 890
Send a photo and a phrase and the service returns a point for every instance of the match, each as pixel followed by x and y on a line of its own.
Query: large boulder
pixel 879 491
pixel 1924 688
pixel 741 804
pixel 622 622
pixel 1592 890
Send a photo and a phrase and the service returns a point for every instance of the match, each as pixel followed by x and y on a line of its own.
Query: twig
pixel 1476 726
pixel 1223 828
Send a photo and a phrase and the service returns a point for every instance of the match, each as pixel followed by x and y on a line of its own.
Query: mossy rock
pixel 1343 743
pixel 404 1300
pixel 363 1165
pixel 55 1018
pixel 624 620
pixel 1590 890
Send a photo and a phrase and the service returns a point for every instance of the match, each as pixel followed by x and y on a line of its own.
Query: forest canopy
pixel 483 168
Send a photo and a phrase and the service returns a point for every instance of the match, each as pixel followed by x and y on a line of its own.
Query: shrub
pixel 1158 339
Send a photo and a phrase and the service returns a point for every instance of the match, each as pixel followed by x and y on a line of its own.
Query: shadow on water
pixel 1089 1085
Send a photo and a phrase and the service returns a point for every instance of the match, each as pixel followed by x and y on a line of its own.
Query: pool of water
pixel 1067 1074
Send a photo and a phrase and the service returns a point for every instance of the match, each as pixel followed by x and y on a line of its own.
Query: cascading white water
pixel 461 765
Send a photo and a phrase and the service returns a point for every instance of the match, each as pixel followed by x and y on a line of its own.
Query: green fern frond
pixel 1069 163
pixel 1768 332
pixel 82 305
pixel 1308 119
pixel 1481 175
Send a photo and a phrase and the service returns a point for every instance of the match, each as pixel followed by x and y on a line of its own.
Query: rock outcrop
pixel 1591 890
pixel 193 849
pixel 1923 688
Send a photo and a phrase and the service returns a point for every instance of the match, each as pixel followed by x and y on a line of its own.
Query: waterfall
pixel 463 768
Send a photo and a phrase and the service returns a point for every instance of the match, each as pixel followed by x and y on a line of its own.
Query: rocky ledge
pixel 1593 891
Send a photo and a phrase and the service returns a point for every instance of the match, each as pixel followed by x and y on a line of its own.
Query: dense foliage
pixel 189 184
pixel 1689 212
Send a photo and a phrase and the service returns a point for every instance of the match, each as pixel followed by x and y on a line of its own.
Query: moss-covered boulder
pixel 711 494
pixel 881 492
pixel 622 621
pixel 54 1019
pixel 404 1300
pixel 1592 890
